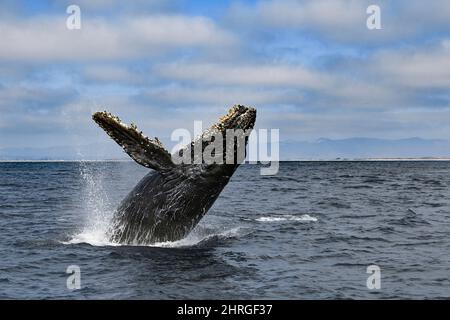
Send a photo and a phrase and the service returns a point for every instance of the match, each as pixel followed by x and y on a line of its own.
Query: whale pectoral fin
pixel 147 152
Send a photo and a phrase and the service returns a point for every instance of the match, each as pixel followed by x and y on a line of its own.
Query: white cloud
pixel 118 5
pixel 345 20
pixel 220 96
pixel 322 14
pixel 109 73
pixel 242 74
pixel 423 67
pixel 137 66
pixel 264 84
pixel 48 39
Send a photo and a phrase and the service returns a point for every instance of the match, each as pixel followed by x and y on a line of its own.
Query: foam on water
pixel 92 237
pixel 304 217
pixel 194 238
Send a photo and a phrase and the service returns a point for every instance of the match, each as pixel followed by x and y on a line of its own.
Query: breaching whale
pixel 171 199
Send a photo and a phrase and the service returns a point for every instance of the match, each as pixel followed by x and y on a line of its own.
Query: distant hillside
pixel 362 148
pixel 322 149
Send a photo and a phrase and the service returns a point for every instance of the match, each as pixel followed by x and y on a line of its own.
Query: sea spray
pixel 98 210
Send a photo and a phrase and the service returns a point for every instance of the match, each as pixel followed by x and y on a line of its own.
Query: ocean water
pixel 309 232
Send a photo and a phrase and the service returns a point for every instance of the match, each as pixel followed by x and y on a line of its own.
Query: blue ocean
pixel 309 232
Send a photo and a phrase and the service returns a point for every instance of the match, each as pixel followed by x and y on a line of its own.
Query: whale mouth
pixel 238 117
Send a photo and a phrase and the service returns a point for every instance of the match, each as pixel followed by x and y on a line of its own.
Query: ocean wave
pixel 304 217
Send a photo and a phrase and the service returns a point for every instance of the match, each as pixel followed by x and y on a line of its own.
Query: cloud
pixel 242 74
pixel 47 38
pixel 416 68
pixel 313 88
pixel 306 66
pixel 218 97
pixel 36 100
pixel 149 6
pixel 345 20
pixel 110 73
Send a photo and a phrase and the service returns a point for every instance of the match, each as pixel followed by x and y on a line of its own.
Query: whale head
pixel 238 117
pixel 221 148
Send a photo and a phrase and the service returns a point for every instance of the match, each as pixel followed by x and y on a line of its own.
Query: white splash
pixel 196 237
pixel 97 206
pixel 92 237
pixel 304 218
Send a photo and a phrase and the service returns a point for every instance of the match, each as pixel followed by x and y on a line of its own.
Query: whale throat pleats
pixel 147 152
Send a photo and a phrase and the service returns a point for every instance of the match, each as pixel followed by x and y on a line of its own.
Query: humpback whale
pixel 173 197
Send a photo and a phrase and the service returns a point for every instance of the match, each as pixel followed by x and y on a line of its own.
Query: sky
pixel 311 68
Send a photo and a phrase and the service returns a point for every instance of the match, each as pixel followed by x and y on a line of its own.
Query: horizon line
pixel 245 162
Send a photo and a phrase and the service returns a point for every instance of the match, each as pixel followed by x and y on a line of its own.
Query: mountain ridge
pixel 320 149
